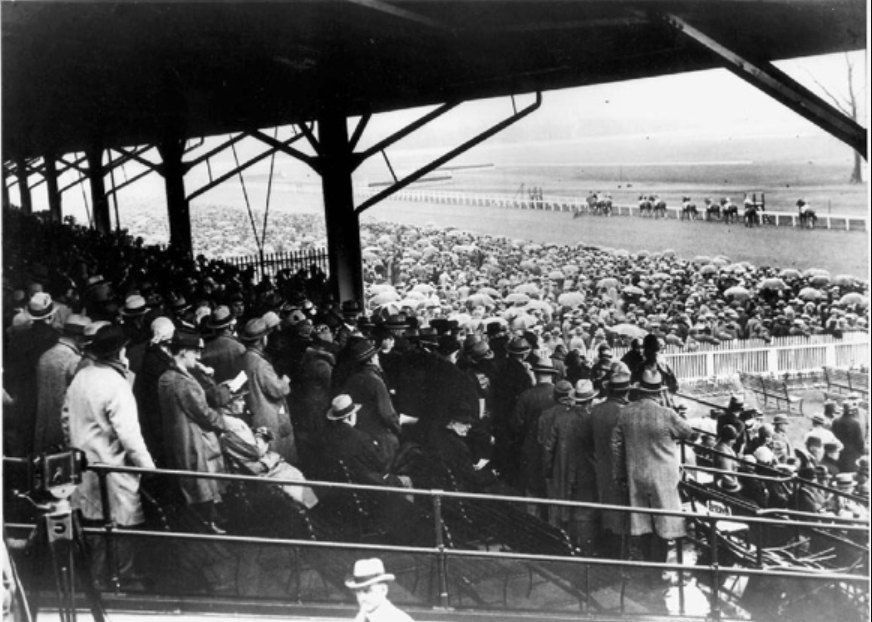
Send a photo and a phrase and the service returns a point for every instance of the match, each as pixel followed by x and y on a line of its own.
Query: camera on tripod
pixel 56 474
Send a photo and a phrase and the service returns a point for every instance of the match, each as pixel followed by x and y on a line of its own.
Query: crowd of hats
pixel 431 272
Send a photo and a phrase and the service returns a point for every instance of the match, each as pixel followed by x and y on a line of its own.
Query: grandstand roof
pixel 124 73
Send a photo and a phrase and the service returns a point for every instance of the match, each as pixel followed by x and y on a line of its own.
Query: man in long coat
pixel 647 461
pixel 849 431
pixel 366 387
pixel 568 463
pixel 604 418
pixel 99 417
pixel 525 426
pixel 191 428
pixel 223 353
pixel 155 361
pixel 54 373
pixel 513 378
pixel 267 391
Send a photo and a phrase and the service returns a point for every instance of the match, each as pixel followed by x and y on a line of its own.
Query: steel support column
pixel 55 209
pixel 173 170
pixel 99 200
pixel 343 225
pixel 23 187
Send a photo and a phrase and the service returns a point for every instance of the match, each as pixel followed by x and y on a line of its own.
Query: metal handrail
pixel 102 469
pixel 785 572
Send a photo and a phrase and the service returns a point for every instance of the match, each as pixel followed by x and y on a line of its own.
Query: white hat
pixel 342 407
pixel 366 572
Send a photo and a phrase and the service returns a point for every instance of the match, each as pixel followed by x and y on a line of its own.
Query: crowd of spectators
pixel 463 368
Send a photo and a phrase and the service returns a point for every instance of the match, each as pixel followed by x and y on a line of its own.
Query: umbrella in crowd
pixel 810 293
pixel 737 292
pixel 630 331
pixel 632 290
pixel 607 283
pixel 517 298
pixel 773 284
pixel 571 299
pixel 790 273
pixel 819 280
pixel 854 299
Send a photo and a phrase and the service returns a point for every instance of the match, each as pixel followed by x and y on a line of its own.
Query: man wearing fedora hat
pixel 604 418
pixel 568 463
pixel 647 462
pixel 23 350
pixel 54 372
pixel 511 380
pixel 848 429
pixel 133 316
pixel 366 386
pixel 267 391
pixel 191 428
pixel 369 582
pixel 223 352
pixel 525 427
pixel 99 417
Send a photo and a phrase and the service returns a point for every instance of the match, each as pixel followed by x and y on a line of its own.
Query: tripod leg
pixel 62 561
pixel 82 554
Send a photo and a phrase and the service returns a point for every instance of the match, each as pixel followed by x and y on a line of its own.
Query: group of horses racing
pixel 725 210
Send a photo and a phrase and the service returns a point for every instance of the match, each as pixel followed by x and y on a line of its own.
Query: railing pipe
pixel 441 558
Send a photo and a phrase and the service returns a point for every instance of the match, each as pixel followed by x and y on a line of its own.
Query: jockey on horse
pixel 659 207
pixel 729 210
pixel 645 206
pixel 712 210
pixel 750 216
pixel 688 209
pixel 807 216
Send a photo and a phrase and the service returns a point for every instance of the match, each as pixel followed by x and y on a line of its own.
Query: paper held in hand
pixel 235 384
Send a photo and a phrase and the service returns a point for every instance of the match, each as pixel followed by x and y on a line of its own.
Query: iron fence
pixel 270 264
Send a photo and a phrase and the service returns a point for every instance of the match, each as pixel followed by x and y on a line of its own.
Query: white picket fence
pixel 571 204
pixel 772 359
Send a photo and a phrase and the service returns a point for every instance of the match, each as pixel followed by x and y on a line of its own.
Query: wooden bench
pixel 774 391
pixel 847 381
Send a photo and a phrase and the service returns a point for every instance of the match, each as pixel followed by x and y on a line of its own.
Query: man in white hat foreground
pixel 369 582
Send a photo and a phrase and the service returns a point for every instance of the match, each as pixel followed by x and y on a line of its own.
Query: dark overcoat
pixel 191 429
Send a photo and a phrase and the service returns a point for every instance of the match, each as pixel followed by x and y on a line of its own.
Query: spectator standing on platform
pixel 223 352
pixel 99 417
pixel 267 391
pixel 646 458
pixel 191 428
pixel 604 418
pixel 54 373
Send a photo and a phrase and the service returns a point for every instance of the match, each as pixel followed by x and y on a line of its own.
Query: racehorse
pixel 646 206
pixel 807 216
pixel 751 217
pixel 659 207
pixel 604 205
pixel 712 210
pixel 729 210
pixel 688 209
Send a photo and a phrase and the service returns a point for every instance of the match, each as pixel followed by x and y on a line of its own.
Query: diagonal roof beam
pixel 781 87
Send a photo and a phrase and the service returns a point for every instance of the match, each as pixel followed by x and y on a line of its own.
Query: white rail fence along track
pixel 570 204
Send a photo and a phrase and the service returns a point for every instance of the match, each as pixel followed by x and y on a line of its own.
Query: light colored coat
pixel 189 433
pixel 646 456
pixel 54 372
pixel 99 417
pixel 266 401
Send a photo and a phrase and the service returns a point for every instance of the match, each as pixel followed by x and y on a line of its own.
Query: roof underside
pixel 113 74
